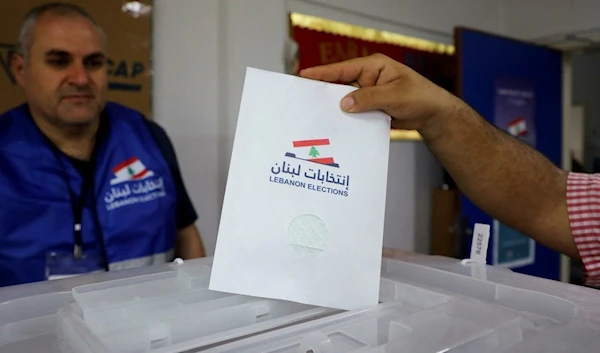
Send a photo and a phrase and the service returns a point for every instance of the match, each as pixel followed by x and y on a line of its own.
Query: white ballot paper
pixel 304 206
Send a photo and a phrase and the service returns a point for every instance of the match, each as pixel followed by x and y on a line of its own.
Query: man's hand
pixel 189 243
pixel 411 100
pixel 503 176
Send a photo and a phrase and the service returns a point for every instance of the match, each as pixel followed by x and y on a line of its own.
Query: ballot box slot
pixel 341 334
pixel 401 325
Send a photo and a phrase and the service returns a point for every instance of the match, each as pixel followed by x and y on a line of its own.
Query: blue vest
pixel 129 214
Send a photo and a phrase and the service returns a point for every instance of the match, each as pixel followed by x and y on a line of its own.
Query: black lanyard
pixel 77 203
pixel 77 206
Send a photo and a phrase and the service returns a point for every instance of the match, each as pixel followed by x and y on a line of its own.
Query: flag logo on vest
pixel 313 151
pixel 131 169
pixel 518 127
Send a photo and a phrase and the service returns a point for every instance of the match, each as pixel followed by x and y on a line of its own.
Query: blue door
pixel 517 87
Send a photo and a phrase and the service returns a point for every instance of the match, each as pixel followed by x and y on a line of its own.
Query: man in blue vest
pixel 85 185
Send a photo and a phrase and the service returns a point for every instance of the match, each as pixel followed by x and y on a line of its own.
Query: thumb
pixel 365 99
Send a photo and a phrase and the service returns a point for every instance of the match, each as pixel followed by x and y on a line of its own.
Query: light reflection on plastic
pixel 136 8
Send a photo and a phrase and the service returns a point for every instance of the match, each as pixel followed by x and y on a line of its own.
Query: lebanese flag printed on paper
pixel 316 151
pixel 518 127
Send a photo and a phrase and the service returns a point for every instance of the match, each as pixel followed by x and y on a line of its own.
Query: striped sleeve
pixel 583 205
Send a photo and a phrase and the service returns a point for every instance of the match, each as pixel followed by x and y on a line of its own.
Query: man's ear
pixel 18 68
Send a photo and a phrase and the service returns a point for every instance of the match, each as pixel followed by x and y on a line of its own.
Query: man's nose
pixel 78 75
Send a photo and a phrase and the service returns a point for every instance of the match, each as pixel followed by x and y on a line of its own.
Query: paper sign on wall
pixel 304 207
pixel 514 108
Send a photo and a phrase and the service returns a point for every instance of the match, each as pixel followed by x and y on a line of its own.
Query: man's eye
pixel 95 64
pixel 59 63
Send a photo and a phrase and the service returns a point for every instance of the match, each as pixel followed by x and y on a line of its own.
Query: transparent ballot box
pixel 427 304
pixel 431 304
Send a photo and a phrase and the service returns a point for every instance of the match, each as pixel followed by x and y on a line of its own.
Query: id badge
pixel 65 265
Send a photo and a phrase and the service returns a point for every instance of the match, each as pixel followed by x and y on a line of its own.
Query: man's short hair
pixel 61 9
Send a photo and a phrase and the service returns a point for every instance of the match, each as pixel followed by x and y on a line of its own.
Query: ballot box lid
pixel 427 304
pixel 168 309
pixel 433 304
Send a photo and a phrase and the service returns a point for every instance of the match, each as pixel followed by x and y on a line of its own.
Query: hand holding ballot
pixel 295 227
pixel 507 179
pixel 411 99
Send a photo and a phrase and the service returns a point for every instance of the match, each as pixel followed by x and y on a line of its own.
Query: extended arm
pixel 504 177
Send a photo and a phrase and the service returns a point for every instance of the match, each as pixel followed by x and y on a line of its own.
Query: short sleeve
pixel 583 205
pixel 186 214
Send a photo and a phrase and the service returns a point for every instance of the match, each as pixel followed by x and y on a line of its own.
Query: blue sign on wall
pixel 511 248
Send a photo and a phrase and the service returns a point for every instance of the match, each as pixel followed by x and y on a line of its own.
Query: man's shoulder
pixel 9 117
pixel 14 111
pixel 122 112
pixel 118 110
pixel 162 140
pixel 157 130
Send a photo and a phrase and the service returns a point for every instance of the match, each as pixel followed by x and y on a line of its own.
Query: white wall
pixel 576 133
pixel 201 50
pixel 185 94
pixel 534 19
pixel 426 19
pixel 412 174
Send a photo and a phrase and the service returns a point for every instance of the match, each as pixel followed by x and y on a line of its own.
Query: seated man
pixel 85 185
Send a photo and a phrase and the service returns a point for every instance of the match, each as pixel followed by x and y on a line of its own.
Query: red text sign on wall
pixel 319 48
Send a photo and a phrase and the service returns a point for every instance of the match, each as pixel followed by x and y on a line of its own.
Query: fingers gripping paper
pixel 304 206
